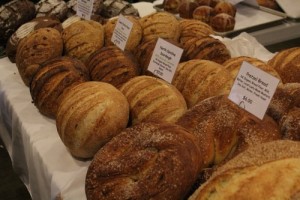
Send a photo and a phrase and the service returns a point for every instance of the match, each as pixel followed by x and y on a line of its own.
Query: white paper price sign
pixel 253 89
pixel 164 60
pixel 85 8
pixel 121 32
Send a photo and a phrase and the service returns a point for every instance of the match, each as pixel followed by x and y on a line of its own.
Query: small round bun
pixel 146 161
pixel 89 115
pixel 203 13
pixel 171 5
pixel 222 22
pixel 186 9
pixel 225 7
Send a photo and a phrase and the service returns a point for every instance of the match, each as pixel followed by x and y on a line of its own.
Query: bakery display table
pixel 38 156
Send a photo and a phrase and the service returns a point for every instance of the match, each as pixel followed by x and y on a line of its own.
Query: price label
pixel 253 89
pixel 121 32
pixel 164 60
pixel 85 8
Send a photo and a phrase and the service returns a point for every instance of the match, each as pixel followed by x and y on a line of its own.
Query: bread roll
pixel 287 64
pixel 90 114
pixel 203 13
pixel 25 29
pixel 225 7
pixel 12 15
pixel 112 65
pixel 83 38
pixel 204 2
pixel 147 161
pixel 160 24
pixel 206 48
pixel 153 99
pixel 222 22
pixel 224 129
pixel 201 79
pixel 134 38
pixel 186 9
pixel 274 180
pixel 52 78
pixel 191 28
pixel 39 46
pixel 171 5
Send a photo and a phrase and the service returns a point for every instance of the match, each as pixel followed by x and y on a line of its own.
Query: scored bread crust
pixel 147 161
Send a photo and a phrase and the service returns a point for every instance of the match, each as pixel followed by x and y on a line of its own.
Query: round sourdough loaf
pixel 192 28
pixel 39 46
pixel 112 65
pixel 160 24
pixel 83 38
pixel 153 99
pixel 200 79
pixel 134 38
pixel 233 65
pixel 285 109
pixel 90 114
pixel 52 78
pixel 287 64
pixel 224 129
pixel 147 161
pixel 277 179
pixel 206 48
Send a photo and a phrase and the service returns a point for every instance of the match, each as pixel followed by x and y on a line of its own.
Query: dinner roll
pixel 146 161
pixel 90 114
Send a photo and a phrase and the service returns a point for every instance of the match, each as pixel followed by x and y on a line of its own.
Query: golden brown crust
pixel 112 65
pixel 273 180
pixel 90 114
pixel 39 46
pixel 287 64
pixel 222 22
pixel 225 7
pixel 290 124
pixel 203 13
pixel 201 79
pixel 134 38
pixel 160 24
pixel 52 78
pixel 83 38
pixel 206 48
pixel 186 9
pixel 224 130
pixel 147 161
pixel 153 99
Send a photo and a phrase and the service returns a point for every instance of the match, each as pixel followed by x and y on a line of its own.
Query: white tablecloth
pixel 37 153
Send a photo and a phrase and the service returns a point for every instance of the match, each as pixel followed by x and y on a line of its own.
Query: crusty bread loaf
pixel 112 65
pixel 57 8
pixel 206 48
pixel 274 180
pixel 89 115
pixel 224 129
pixel 287 64
pixel 25 29
pixel 134 38
pixel 39 46
pixel 160 24
pixel 146 161
pixel 201 79
pixel 113 8
pixel 52 78
pixel 203 13
pixel 234 64
pixel 191 28
pixel 12 15
pixel 83 38
pixel 153 99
